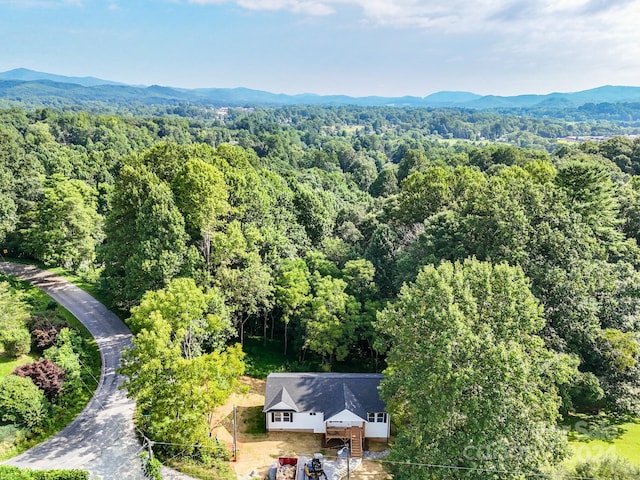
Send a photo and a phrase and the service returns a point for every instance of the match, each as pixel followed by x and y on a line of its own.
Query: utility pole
pixel 348 459
pixel 235 434
pixel 349 462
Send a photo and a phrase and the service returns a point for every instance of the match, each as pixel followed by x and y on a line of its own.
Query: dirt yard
pixel 258 451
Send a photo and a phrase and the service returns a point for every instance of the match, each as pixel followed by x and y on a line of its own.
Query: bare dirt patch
pixel 258 451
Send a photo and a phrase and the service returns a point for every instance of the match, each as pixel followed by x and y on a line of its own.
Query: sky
pixel 351 47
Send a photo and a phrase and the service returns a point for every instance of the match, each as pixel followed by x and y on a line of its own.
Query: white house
pixel 339 405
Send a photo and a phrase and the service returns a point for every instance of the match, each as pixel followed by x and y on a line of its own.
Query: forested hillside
pixel 341 233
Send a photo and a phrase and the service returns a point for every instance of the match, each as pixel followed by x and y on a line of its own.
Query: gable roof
pixel 330 393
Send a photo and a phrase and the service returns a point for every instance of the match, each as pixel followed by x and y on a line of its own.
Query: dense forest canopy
pixel 301 224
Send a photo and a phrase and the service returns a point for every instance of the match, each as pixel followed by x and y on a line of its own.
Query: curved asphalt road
pixel 101 439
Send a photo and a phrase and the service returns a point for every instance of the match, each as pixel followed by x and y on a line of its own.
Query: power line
pixel 415 464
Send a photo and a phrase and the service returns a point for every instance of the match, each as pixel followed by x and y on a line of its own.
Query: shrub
pixel 21 401
pixel 14 314
pixel 60 475
pixel 151 466
pixel 17 341
pixel 44 331
pixel 65 354
pixel 608 468
pixel 45 374
pixel 15 473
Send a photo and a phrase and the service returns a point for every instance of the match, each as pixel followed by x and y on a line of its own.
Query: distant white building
pixel 339 405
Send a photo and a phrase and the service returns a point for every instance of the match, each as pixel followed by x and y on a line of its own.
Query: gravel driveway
pixel 101 439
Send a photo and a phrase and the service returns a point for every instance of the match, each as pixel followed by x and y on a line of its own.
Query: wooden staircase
pixel 356 442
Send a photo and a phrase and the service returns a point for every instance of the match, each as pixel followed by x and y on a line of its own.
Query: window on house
pixel 282 416
pixel 377 417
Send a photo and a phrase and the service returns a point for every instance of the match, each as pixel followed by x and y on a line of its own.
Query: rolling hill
pixel 39 88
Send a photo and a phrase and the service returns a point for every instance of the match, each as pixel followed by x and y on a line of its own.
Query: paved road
pixel 101 439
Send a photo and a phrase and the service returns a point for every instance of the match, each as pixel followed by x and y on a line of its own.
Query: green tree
pixel 291 291
pixel 412 161
pixel 66 226
pixel 328 329
pixel 14 315
pixel 145 243
pixel 385 184
pixel 469 383
pixel 591 193
pixel 179 367
pixel 201 196
pixel 8 215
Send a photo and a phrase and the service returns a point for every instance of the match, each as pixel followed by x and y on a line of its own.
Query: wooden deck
pixel 353 435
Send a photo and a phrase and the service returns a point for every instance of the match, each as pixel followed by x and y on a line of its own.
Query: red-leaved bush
pixel 45 374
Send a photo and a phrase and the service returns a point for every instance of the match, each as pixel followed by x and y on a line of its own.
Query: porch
pixel 353 435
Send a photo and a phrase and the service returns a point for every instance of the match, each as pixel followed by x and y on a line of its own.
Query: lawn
pixel 599 435
pixel 7 364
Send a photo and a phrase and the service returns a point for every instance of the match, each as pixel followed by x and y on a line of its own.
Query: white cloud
pixel 600 35
pixel 304 7
pixel 296 6
pixel 463 15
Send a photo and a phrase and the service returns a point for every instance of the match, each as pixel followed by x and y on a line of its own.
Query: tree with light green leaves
pixel 328 329
pixel 201 196
pixel 468 382
pixel 179 367
pixel 15 339
pixel 291 291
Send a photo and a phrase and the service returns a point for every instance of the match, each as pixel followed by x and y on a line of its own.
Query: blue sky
pixel 353 47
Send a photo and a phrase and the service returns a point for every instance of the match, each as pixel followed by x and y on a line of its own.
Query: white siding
pixel 301 421
pixel 377 430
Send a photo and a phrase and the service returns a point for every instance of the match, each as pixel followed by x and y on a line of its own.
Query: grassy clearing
pixel 599 435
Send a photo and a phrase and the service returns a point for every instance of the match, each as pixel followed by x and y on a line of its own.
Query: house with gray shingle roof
pixel 338 405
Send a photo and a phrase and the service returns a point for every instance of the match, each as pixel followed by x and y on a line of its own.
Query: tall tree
pixel 201 195
pixel 66 226
pixel 145 244
pixel 328 329
pixel 179 367
pixel 469 382
pixel 291 291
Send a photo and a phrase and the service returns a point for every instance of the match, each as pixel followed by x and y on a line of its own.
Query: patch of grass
pixel 252 420
pixel 219 471
pixel 599 435
pixel 7 364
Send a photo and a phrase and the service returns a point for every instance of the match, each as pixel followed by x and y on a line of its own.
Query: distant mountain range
pixel 28 86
